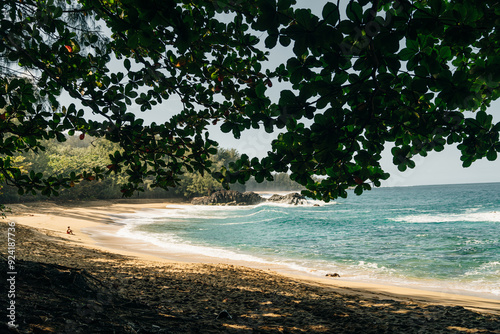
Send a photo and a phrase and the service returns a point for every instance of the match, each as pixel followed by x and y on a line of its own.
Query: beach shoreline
pixel 136 247
pixel 85 218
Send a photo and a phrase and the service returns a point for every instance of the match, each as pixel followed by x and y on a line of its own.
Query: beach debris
pixel 224 315
pixel 333 275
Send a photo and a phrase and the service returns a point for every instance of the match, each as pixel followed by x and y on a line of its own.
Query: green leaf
pixel 127 64
pixel 401 167
pixel 226 127
pixel 346 27
pixel 331 13
pixel 358 190
pixel 271 41
pixel 354 11
pixel 259 178
pixel 284 4
pixel 467 162
pixel 260 90
pixel 133 41
pixel 287 98
pixel 340 78
pixel 285 40
pixel 300 47
pixel 491 155
pixel 407 54
pixel 482 117
pixel 445 52
pixel 304 18
pixel 57 12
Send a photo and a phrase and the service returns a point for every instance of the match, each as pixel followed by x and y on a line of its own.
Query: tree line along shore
pixel 78 155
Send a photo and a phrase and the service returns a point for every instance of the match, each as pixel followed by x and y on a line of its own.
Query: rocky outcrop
pixel 293 199
pixel 233 197
pixel 229 197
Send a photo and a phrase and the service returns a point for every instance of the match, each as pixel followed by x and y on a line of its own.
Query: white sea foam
pixel 171 243
pixel 176 212
pixel 481 242
pixel 359 271
pixel 492 216
pixel 472 210
pixel 204 212
pixel 364 264
pixel 489 268
pixel 372 272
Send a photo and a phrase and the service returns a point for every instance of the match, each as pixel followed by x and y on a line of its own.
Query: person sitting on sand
pixel 69 231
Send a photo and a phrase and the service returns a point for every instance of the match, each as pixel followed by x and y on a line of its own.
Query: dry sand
pixel 149 291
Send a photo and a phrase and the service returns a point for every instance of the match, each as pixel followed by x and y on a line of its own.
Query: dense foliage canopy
pixel 75 156
pixel 399 72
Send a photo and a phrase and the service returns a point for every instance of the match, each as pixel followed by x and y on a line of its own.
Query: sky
pixel 437 168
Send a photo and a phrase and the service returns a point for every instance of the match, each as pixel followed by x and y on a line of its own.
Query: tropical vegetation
pixel 412 76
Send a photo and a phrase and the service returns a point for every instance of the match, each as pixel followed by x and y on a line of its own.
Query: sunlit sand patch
pixel 272 315
pixel 468 330
pixel 382 305
pixel 240 327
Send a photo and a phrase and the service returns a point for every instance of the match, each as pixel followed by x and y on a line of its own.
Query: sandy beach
pixel 97 283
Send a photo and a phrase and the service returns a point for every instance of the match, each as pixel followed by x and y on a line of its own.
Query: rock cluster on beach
pixel 293 199
pixel 233 197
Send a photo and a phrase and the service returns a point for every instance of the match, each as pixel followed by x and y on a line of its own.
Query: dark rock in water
pixel 228 197
pixel 294 199
pixel 333 275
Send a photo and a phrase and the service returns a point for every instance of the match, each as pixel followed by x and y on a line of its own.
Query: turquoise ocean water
pixel 445 237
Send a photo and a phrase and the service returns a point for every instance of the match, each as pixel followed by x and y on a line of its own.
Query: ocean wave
pixel 337 237
pixel 184 212
pixel 492 216
pixel 481 242
pixel 488 268
pixel 249 222
pixel 479 280
pixel 173 244
pixel 172 212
